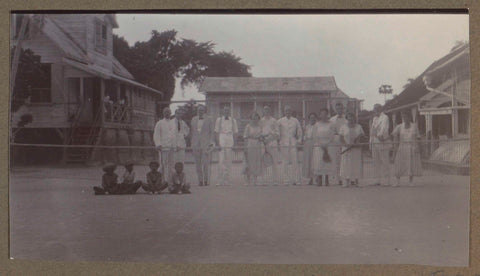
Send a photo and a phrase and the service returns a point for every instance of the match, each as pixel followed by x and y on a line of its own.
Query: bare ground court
pixel 54 215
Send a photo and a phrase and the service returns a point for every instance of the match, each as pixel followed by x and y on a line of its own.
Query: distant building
pixel 87 96
pixel 248 94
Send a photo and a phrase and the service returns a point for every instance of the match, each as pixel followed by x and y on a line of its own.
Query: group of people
pixel 155 183
pixel 332 149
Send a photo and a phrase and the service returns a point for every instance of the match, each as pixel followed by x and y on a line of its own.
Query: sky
pixel 362 51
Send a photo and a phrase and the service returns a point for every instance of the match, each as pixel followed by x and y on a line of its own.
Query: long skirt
pixel 254 157
pixel 307 168
pixel 351 164
pixel 321 167
pixel 407 160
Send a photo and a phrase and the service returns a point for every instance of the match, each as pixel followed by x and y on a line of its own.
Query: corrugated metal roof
pixel 252 84
pixel 120 70
pixel 417 89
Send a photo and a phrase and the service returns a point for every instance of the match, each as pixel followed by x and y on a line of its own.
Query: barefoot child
pixel 109 181
pixel 177 183
pixel 129 186
pixel 154 179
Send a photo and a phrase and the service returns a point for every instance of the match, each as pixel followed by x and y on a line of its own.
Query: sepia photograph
pixel 261 138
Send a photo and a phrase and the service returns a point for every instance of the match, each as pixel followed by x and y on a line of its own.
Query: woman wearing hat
pixel 109 181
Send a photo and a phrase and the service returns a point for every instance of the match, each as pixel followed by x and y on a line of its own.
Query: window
pixel 100 36
pixel 40 90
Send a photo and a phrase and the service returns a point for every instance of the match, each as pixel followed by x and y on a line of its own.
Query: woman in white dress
pixel 351 164
pixel 307 168
pixel 407 157
pixel 252 134
pixel 322 135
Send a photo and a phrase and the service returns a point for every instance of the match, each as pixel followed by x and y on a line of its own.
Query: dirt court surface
pixel 54 215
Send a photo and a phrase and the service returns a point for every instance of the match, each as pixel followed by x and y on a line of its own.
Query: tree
pixel 29 71
pixel 385 89
pixel 158 61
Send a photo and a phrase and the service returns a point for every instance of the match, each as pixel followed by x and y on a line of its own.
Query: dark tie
pixel 178 123
pixel 226 117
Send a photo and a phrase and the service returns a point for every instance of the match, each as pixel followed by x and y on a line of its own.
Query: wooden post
pixel 279 107
pixel 454 105
pixel 18 50
pixel 82 93
pixel 102 97
pixel 304 107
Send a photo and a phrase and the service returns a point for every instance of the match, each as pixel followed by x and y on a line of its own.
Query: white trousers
pixel 290 164
pixel 381 162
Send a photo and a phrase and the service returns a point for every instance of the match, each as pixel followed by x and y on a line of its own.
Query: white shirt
pixel 226 129
pixel 224 126
pixel 200 125
pixel 379 127
pixel 338 122
pixel 290 130
pixel 165 133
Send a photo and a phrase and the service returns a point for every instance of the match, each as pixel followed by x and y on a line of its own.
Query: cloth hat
pixel 109 166
pixel 129 163
pixel 154 163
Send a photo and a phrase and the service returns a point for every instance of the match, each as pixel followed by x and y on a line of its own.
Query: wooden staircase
pixel 82 135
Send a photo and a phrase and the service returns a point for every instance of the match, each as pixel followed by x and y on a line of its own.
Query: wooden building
pixel 439 100
pixel 88 97
pixel 248 94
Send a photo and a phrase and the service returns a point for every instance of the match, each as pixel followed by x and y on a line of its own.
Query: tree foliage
pixel 158 61
pixel 29 72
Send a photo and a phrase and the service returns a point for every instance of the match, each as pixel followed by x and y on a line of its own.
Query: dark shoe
pixel 187 192
pixel 205 183
pixel 201 183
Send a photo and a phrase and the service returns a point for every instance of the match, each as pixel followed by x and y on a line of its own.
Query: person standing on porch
pixel 165 139
pixel 202 130
pixel 290 135
pixel 226 129
pixel 380 146
pixel 337 121
pixel 182 132
pixel 270 135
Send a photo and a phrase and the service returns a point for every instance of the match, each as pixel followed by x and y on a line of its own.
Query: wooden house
pixel 439 100
pixel 248 94
pixel 88 97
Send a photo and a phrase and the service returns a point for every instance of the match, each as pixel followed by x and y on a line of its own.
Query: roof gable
pixel 61 39
pixel 252 84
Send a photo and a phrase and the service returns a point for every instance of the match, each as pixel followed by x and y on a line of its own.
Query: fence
pixel 290 164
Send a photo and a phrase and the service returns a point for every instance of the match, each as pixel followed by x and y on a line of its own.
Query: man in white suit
pixel 290 135
pixel 226 128
pixel 202 129
pixel 165 139
pixel 182 132
pixel 337 121
pixel 380 145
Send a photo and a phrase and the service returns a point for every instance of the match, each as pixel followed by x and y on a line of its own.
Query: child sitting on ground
pixel 178 183
pixel 129 186
pixel 109 181
pixel 154 179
